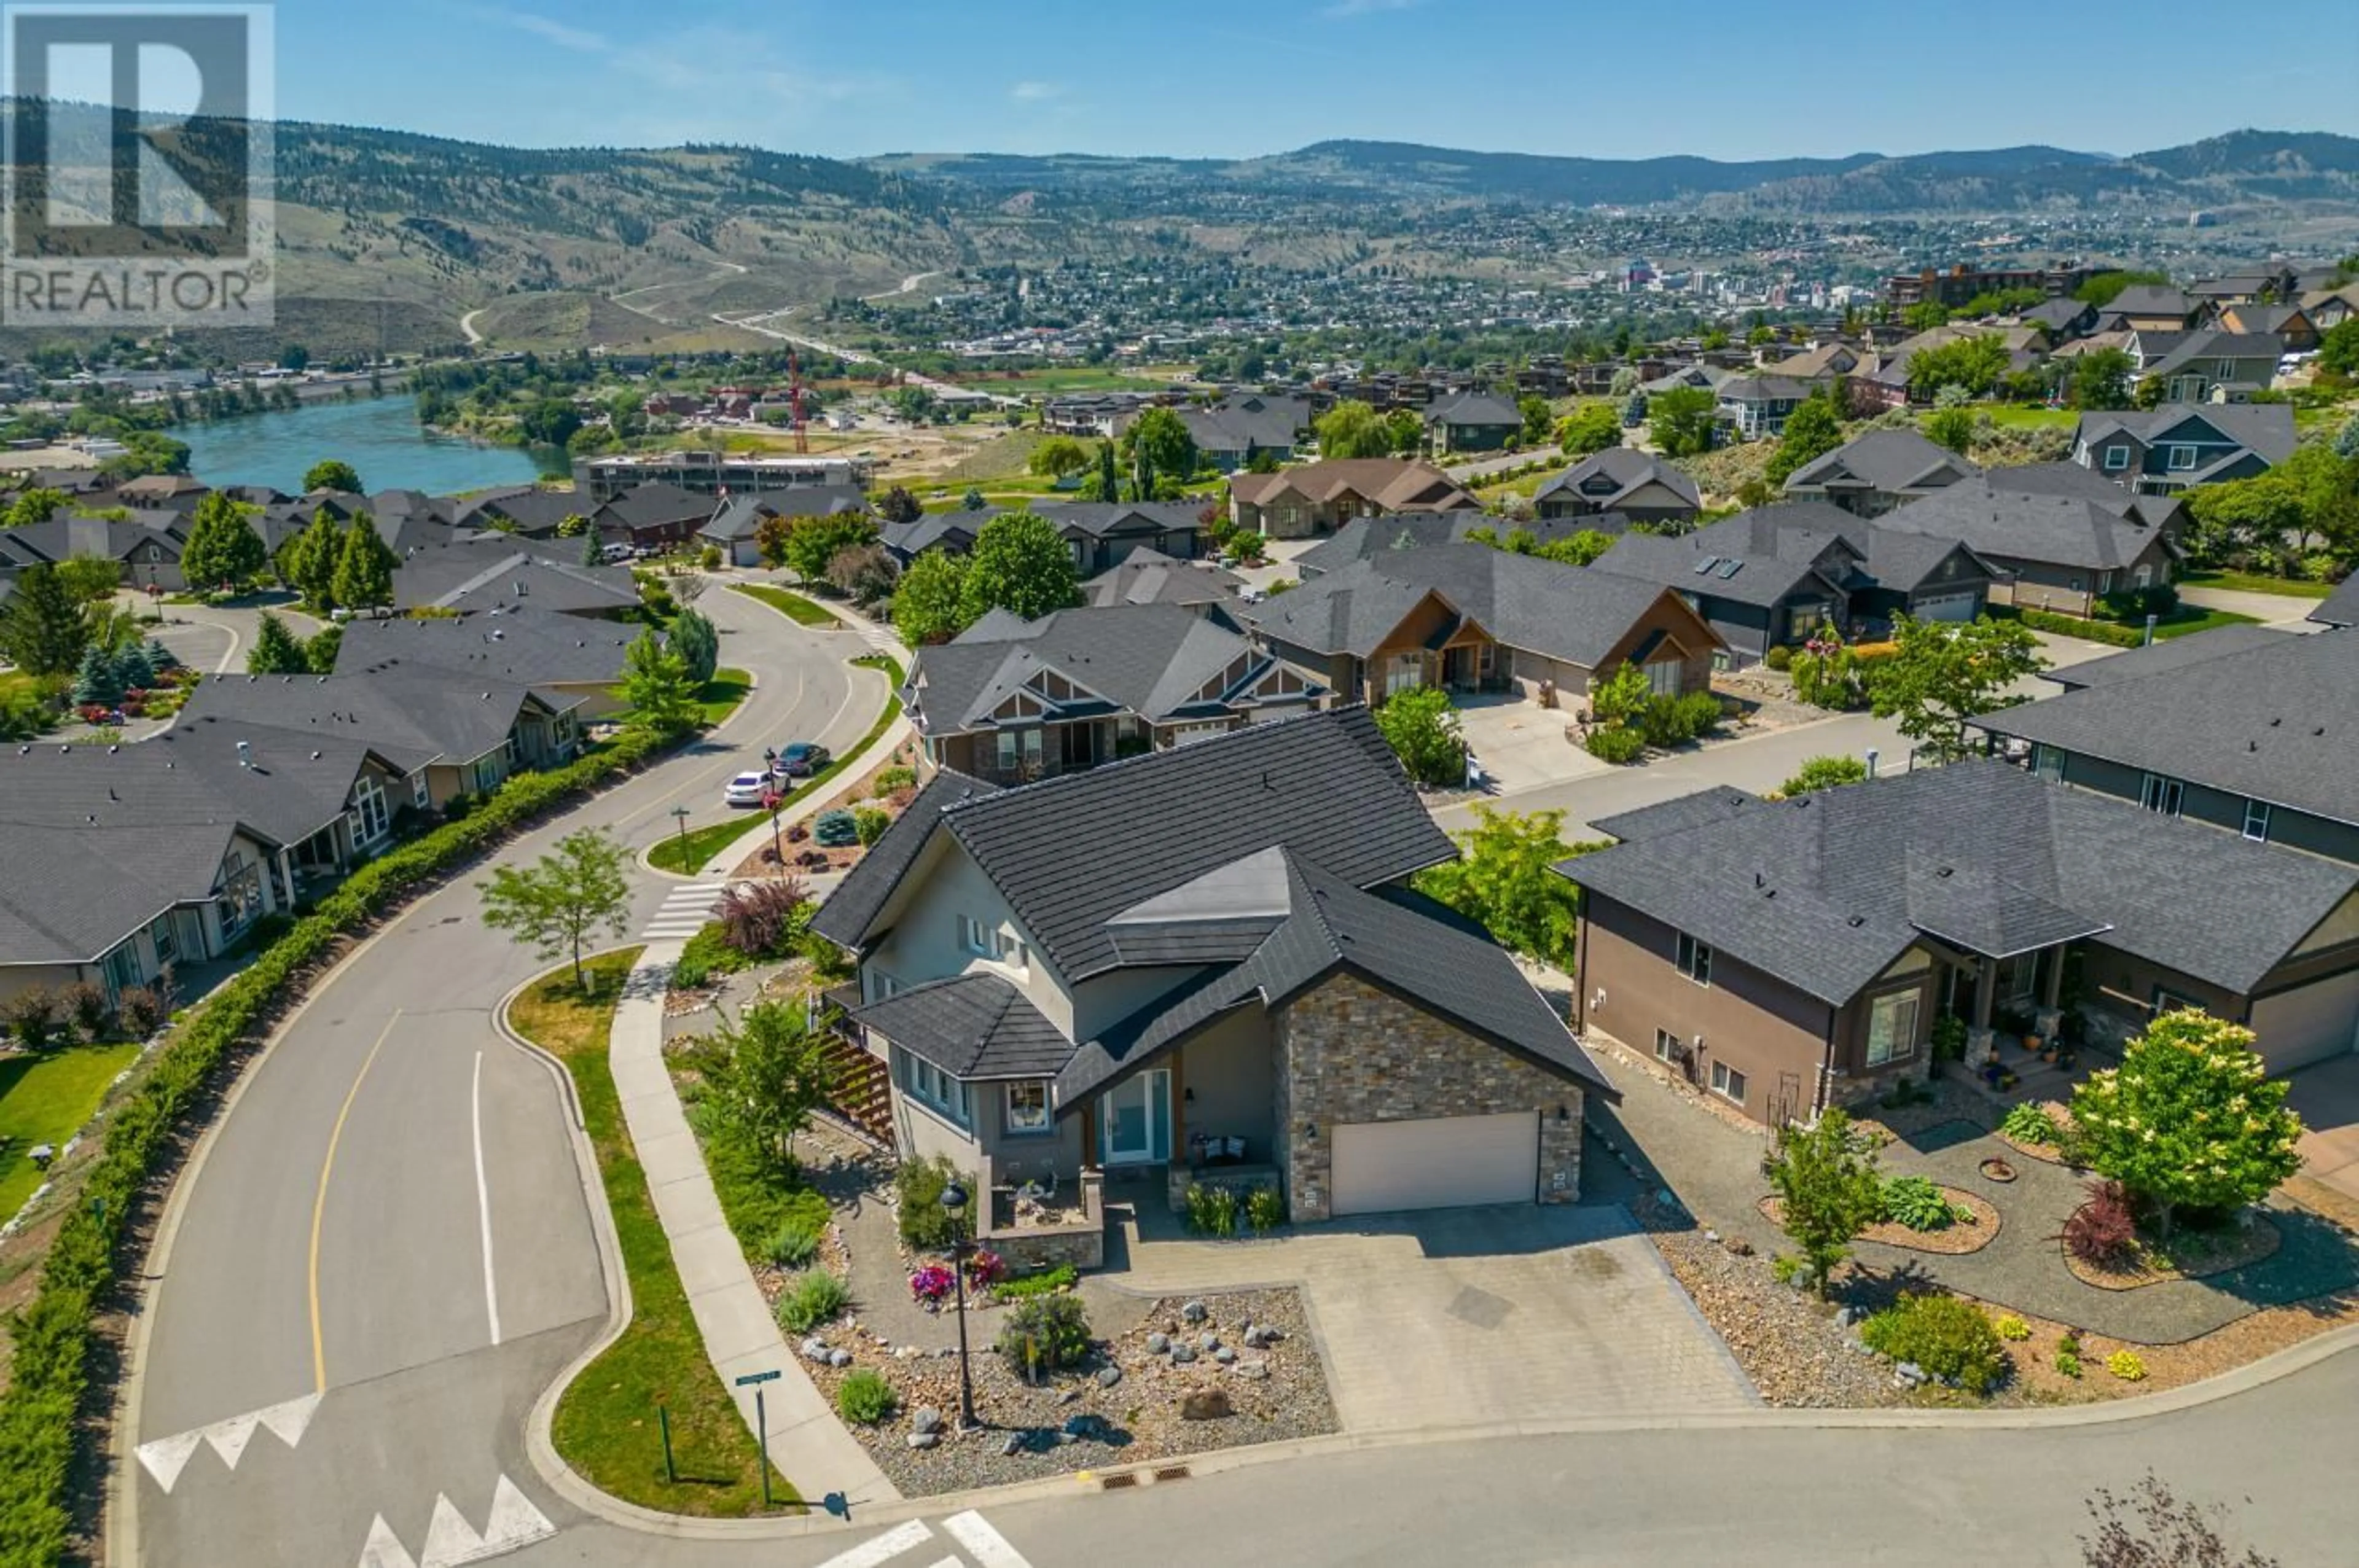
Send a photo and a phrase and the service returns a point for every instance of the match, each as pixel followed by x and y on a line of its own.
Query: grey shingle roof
pixel 1574 613
pixel 72 893
pixel 2202 347
pixel 1325 785
pixel 1474 408
pixel 974 1026
pixel 1678 814
pixel 491 570
pixel 954 531
pixel 2340 608
pixel 1374 538
pixel 1889 460
pixel 2266 429
pixel 412 714
pixel 1826 890
pixel 2276 721
pixel 2173 655
pixel 1681 564
pixel 2059 530
pixel 1150 576
pixel 529 647
pixel 847 914
pixel 1149 659
pixel 1842 544
pixel 1630 469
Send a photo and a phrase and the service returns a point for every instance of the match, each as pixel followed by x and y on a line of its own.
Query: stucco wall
pixel 1349 1052
pixel 1229 1069
pixel 924 944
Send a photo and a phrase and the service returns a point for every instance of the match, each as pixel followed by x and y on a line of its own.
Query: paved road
pixel 390 1216
pixel 215 638
pixel 2276 609
pixel 1482 468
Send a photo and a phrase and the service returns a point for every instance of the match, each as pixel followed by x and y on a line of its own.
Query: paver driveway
pixel 1469 1317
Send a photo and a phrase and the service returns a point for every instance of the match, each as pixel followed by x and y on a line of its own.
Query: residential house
pixel 739 518
pixel 451 734
pixel 1011 700
pixel 2290 324
pixel 1374 538
pixel 2163 511
pixel 1470 618
pixel 2062 319
pixel 1239 990
pixel 1641 486
pixel 571 660
pixel 493 571
pixel 652 516
pixel 527 511
pixel 147 552
pixel 1821 365
pixel 1751 602
pixel 2248 285
pixel 1102 535
pixel 2173 447
pixel 2247 734
pixel 2210 365
pixel 1786 957
pixel 2328 308
pixel 1320 497
pixel 1233 432
pixel 1474 422
pixel 950 531
pixel 2151 307
pixel 1758 404
pixel 172 491
pixel 2058 552
pixel 1150 576
pixel 1871 473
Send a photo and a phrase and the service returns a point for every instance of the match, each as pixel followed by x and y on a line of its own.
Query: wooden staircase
pixel 863 1090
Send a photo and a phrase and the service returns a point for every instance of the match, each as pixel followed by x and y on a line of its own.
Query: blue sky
pixel 1232 77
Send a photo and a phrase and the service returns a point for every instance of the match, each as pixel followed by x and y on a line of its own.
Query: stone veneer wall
pixel 1350 1053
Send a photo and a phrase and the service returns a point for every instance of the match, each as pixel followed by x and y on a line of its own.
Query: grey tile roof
pixel 527 647
pixel 1097 519
pixel 1247 420
pixel 1997 524
pixel 954 531
pixel 1825 890
pixel 2340 608
pixel 1375 539
pixel 2150 299
pixel 1689 565
pixel 741 517
pixel 491 570
pixel 1892 462
pixel 1150 576
pixel 2178 652
pixel 1325 785
pixel 847 914
pixel 1850 550
pixel 1474 408
pixel 1147 659
pixel 1629 468
pixel 2276 721
pixel 1678 814
pixel 412 714
pixel 974 1026
pixel 2266 429
pixel 654 504
pixel 1574 613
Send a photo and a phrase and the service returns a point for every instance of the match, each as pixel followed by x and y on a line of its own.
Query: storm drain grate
pixel 1117 1483
pixel 1172 1473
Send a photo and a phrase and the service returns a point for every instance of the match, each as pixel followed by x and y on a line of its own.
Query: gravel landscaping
pixel 2192 1255
pixel 1154 1390
pixel 1954 1239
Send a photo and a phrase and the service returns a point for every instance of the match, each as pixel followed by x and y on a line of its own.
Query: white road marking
pixel 483 1204
pixel 385 1549
pixel 514 1521
pixel 905 1536
pixel 450 1539
pixel 989 1547
pixel 166 1457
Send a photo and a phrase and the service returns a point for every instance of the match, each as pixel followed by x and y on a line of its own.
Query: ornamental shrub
pixel 890 779
pixel 1048 1282
pixel 1779 658
pixel 2069 1363
pixel 870 822
pixel 1264 1208
pixel 794 1244
pixel 864 1398
pixel 1212 1210
pixel 926 1226
pixel 2126 1365
pixel 2029 1123
pixel 2102 1232
pixel 1045 1334
pixel 1947 1336
pixel 933 1284
pixel 817 1297
pixel 1616 745
pixel 1919 1204
pixel 2012 1328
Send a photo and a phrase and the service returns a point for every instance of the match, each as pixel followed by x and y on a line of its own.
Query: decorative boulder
pixel 1224 1355
pixel 1109 1375
pixel 1182 1355
pixel 926 1418
pixel 923 1439
pixel 1208 1342
pixel 1205 1404
pixel 1158 1345
pixel 1194 1312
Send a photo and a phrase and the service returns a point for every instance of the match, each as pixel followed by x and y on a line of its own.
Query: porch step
pixel 863 1089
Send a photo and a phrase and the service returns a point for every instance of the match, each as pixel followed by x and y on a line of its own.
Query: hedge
pixel 41 1415
pixel 2088 630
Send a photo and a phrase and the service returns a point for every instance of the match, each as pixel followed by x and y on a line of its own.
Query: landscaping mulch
pixel 761 862
pixel 1074 1421
pixel 1955 1240
pixel 2192 1255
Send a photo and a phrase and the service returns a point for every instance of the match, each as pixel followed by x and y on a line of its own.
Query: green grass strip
pixel 793 606
pixel 2253 582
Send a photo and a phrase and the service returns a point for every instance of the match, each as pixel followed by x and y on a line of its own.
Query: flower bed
pixel 1077 1420
pixel 2192 1255
pixel 1954 1239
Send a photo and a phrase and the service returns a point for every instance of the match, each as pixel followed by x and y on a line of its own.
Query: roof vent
pixel 315 756
pixel 246 754
pixel 1944 871
pixel 1857 921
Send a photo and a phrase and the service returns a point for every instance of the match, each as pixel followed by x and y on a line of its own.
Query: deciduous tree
pixel 1421 726
pixel 1058 456
pixel 927 601
pixel 765 1073
pixel 1159 439
pixel 814 541
pixel 32 506
pixel 1591 428
pixel 1951 427
pixel 2101 379
pixel 276 650
pixel 307 562
pixel 657 687
pixel 1538 418
pixel 222 550
pixel 563 899
pixel 899 507
pixel 1680 420
pixel 90 579
pixel 364 565
pixel 1020 565
pixel 1352 429
pixel 1813 429
pixel 1504 878
pixel 332 473
pixel 1825 773
pixel 1829 1190
pixel 1945 675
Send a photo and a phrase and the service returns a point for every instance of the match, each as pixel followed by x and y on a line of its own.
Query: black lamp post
pixel 954 1200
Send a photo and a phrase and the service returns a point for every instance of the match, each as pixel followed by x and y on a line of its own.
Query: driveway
pixel 2276 609
pixel 1521 745
pixel 1466 1317
pixel 2327 1097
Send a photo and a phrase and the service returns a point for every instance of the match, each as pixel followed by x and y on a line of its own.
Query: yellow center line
pixel 319 1203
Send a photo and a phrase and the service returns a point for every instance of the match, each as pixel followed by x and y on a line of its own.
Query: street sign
pixel 752 1378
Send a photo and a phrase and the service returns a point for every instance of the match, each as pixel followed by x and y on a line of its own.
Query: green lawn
pixel 2253 582
pixel 2029 416
pixel 722 695
pixel 2205 621
pixel 46 1099
pixel 793 606
pixel 606 1425
pixel 686 857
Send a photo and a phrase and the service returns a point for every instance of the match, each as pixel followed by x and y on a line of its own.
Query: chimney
pixel 246 754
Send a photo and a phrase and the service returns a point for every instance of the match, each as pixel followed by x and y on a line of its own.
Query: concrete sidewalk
pixel 808 1445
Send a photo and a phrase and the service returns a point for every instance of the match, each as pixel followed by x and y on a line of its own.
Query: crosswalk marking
pixel 903 1536
pixel 987 1545
pixel 451 1541
pixel 684 910
pixel 166 1457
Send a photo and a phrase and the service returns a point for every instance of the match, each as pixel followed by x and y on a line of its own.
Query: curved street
pixel 386 1253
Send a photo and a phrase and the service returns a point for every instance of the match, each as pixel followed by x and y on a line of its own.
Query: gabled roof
pixel 847 914
pixel 2266 429
pixel 1375 539
pixel 65 535
pixel 525 647
pixel 493 571
pixel 1147 659
pixel 412 714
pixel 2201 348
pixel 1895 463
pixel 1392 484
pixel 1098 519
pixel 973 1026
pixel 2157 657
pixel 954 531
pixel 655 503
pixel 2150 299
pixel 2060 530
pixel 1247 420
pixel 1764 389
pixel 1575 613
pixel 1149 576
pixel 1678 814
pixel 1629 468
pixel 2277 721
pixel 1847 549
pixel 1691 565
pixel 741 517
pixel 1827 889
pixel 533 511
pixel 1474 408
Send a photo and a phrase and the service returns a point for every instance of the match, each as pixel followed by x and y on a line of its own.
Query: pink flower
pixel 931 1283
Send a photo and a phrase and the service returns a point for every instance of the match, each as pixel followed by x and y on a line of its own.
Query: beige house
pixel 1303 502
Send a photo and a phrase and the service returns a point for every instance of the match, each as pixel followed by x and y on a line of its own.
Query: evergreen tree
pixel 592 550
pixel 363 568
pixel 96 684
pixel 44 629
pixel 133 672
pixel 694 639
pixel 277 651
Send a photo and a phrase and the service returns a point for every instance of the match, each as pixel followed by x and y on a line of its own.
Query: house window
pixel 1667 1045
pixel 1806 619
pixel 2116 459
pixel 162 937
pixel 1891 1028
pixel 1695 959
pixel 1019 749
pixel 2182 458
pixel 2169 1000
pixel 882 986
pixel 369 814
pixel 937 1090
pixel 2048 763
pixel 990 942
pixel 1404 671
pixel 418 791
pixel 2257 821
pixel 1727 1082
pixel 2163 794
pixel 1028 1108
pixel 1663 677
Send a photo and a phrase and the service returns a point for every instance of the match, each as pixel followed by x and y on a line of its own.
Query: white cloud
pixel 1035 92
pixel 580 39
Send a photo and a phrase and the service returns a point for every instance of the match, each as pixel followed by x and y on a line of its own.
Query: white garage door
pixel 1443 1162
pixel 2298 1027
pixel 1946 606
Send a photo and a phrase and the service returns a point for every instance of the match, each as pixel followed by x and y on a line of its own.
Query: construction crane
pixel 795 371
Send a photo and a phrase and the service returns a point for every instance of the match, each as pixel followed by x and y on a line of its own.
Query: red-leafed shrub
pixel 759 919
pixel 2103 1231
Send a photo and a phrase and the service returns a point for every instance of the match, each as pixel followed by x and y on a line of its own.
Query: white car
pixel 747 789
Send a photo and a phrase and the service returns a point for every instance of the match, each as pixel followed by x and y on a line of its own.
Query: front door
pixel 1134 1120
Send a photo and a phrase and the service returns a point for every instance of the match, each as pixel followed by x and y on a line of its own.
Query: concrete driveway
pixel 1465 1316
pixel 2327 1097
pixel 1521 745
